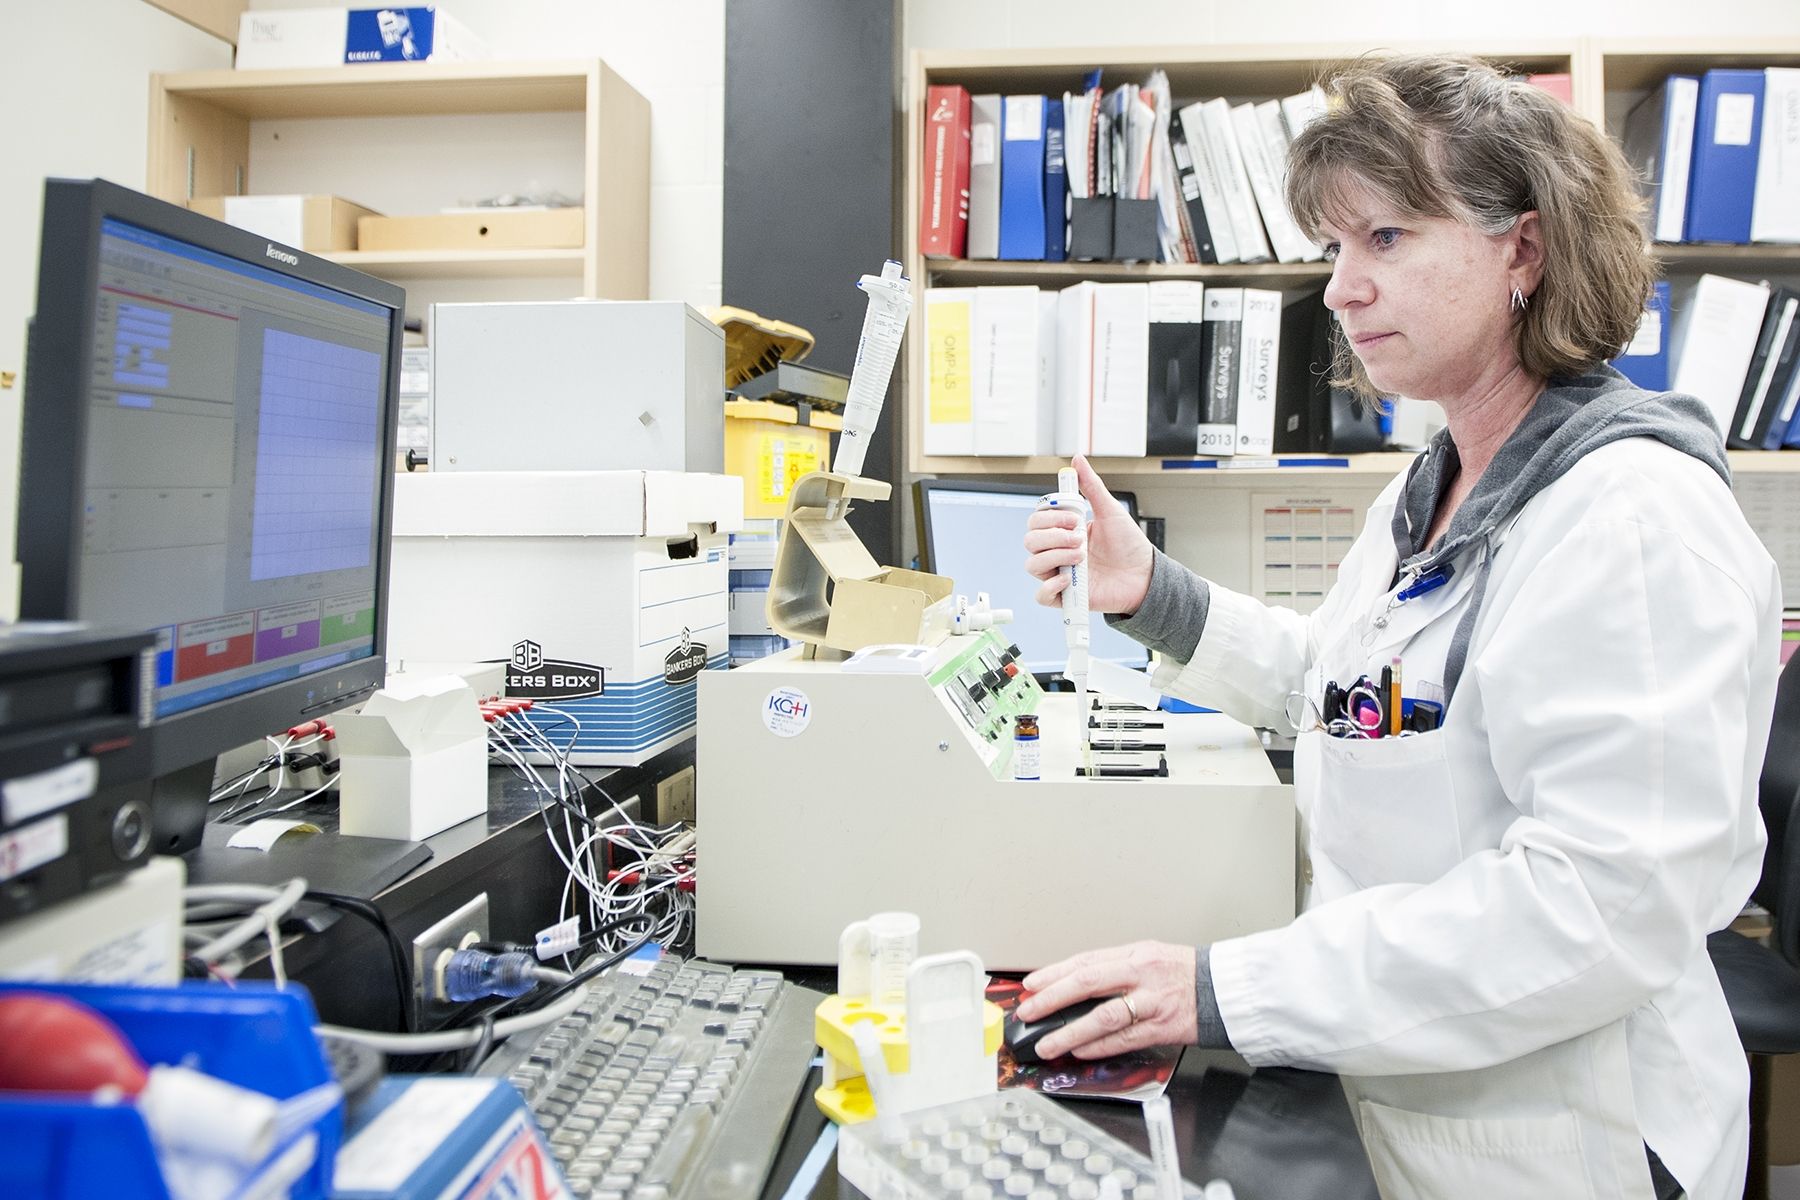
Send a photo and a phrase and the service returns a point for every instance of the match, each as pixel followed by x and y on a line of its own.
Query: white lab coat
pixel 1503 949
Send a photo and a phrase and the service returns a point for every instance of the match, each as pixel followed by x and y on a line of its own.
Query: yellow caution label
pixel 951 398
pixel 782 460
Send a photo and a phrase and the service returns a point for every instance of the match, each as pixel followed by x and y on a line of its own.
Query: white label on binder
pixel 1736 119
pixel 981 146
pixel 1024 118
pixel 1648 339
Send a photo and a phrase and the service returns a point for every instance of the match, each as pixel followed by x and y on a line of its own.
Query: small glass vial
pixel 1028 759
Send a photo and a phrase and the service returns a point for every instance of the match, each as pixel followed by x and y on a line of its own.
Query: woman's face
pixel 1425 302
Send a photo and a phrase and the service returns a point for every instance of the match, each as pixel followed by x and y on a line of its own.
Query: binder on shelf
pixel 1783 424
pixel 949 416
pixel 1299 111
pixel 1659 142
pixel 1775 206
pixel 1012 410
pixel 1311 415
pixel 944 207
pixel 1121 369
pixel 1056 184
pixel 1715 335
pixel 1177 311
pixel 1728 131
pixel 1259 349
pixel 1209 178
pixel 1022 120
pixel 1645 360
pixel 984 176
pixel 1240 203
pixel 1220 339
pixel 1264 146
pixel 1766 379
pixel 1194 223
pixel 1074 369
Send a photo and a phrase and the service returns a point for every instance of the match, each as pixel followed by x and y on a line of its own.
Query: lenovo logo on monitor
pixel 280 255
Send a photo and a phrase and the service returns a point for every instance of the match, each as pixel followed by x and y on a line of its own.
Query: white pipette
pixel 884 324
pixel 1076 632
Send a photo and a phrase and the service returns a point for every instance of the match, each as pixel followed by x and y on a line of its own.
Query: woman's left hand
pixel 1158 978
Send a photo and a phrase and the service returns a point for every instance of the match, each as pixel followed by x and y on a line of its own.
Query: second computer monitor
pixel 975 534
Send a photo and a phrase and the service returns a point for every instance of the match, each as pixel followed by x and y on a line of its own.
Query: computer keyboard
pixel 673 1080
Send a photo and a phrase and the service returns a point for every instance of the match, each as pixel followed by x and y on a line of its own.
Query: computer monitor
pixel 975 534
pixel 208 434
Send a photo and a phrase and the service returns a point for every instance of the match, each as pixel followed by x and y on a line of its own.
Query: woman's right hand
pixel 1118 552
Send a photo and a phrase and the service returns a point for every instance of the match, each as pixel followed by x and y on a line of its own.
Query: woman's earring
pixel 1518 300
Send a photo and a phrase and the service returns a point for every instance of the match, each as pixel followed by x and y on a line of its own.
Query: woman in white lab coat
pixel 1503 945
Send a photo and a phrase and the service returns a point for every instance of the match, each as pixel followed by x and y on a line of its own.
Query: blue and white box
pixel 605 593
pixel 432 1137
pixel 328 37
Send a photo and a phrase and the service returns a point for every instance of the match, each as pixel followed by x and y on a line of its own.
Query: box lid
pixel 755 343
pixel 565 503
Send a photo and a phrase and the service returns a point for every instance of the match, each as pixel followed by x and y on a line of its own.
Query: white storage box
pixel 330 37
pixel 604 592
pixel 576 385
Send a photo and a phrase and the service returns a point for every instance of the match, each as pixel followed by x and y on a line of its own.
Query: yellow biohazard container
pixel 770 445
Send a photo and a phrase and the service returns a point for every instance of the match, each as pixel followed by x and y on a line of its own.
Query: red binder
pixel 944 207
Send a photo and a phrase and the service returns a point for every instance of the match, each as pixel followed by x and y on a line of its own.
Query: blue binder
pixel 1649 368
pixel 1727 137
pixel 1022 120
pixel 1056 183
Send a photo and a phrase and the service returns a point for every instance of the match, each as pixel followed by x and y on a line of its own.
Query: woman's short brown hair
pixel 1448 136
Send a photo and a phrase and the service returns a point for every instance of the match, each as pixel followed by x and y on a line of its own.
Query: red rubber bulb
pixel 49 1044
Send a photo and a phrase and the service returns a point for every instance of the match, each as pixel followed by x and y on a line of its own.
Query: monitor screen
pixel 974 533
pixel 233 467
pixel 208 429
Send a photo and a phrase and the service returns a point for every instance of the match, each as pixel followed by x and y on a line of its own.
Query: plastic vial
pixel 893 943
pixel 1028 755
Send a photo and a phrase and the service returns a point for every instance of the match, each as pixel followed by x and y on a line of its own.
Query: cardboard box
pixel 496 229
pixel 315 223
pixel 604 592
pixel 329 37
pixel 413 760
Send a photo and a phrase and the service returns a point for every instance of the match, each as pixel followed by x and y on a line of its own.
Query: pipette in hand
pixel 1076 633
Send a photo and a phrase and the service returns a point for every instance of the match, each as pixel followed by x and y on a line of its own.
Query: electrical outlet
pixel 431 953
pixel 675 797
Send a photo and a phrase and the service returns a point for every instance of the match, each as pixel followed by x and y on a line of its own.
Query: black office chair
pixel 1762 985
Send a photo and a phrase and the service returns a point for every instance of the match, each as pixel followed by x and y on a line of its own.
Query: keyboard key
pixel 669 1168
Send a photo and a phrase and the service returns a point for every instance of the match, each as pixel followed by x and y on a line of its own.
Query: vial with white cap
pixel 893 945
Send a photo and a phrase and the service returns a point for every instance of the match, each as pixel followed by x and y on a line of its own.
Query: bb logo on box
pixel 531 676
pixel 685 662
pixel 787 712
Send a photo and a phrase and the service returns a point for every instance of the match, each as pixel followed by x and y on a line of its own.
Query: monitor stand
pixel 178 804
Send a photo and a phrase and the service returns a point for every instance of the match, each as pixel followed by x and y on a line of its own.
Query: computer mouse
pixel 1023 1036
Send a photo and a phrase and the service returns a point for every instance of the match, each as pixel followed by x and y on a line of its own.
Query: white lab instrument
pixel 884 324
pixel 1077 633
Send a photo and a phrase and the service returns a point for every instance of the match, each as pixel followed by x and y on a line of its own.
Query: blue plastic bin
pixel 253 1035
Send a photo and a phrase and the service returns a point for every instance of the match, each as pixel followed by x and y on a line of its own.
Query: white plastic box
pixel 576 385
pixel 605 593
pixel 331 37
pixel 413 760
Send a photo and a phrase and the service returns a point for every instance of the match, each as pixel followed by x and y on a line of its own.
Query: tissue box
pixel 314 223
pixel 328 37
pixel 428 1137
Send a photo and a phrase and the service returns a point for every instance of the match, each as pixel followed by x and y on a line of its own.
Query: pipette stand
pixel 940 1047
pixel 827 591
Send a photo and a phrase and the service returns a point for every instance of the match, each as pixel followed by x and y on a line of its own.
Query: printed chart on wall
pixel 1296 544
pixel 1768 504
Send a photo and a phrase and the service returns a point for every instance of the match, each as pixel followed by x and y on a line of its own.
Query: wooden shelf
pixel 973 272
pixel 388 89
pixel 1639 64
pixel 463 264
pixel 1703 257
pixel 1380 466
pixel 199 145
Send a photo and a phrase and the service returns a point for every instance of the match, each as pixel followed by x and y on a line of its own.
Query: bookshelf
pixel 1607 77
pixel 199 144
